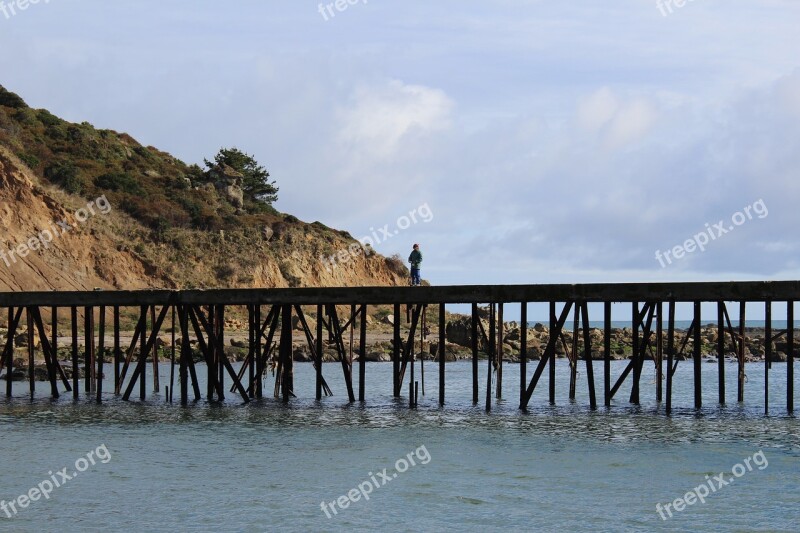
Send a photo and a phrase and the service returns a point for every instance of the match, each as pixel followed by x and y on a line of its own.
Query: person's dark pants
pixel 415 279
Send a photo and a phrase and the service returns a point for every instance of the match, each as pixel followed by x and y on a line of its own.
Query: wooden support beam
pixel 555 333
pixel 767 351
pixel 636 323
pixel 362 350
pixel 442 354
pixel 670 352
pixel 659 356
pixel 74 321
pixel 549 350
pixel 172 358
pixel 88 349
pixel 474 337
pixel 139 371
pixel 142 357
pixel 117 349
pixel 408 346
pixel 523 352
pixel 740 354
pixel 207 347
pixel 101 343
pixel 396 383
pixel 287 374
pixel 50 357
pixel 312 345
pixel 154 355
pixel 607 353
pixel 587 348
pixel 721 352
pixel 318 351
pixel 138 332
pixel 31 354
pixel 347 367
pixel 697 359
pixel 572 354
pixel 790 356
pixel 499 358
pixel 491 355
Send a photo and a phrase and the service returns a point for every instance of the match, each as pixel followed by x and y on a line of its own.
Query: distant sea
pixel 679 324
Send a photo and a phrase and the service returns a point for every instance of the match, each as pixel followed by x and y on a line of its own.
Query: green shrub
pixel 30 160
pixel 118 181
pixel 47 118
pixel 9 99
pixel 60 172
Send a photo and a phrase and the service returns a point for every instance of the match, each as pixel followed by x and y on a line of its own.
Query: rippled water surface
pixel 267 466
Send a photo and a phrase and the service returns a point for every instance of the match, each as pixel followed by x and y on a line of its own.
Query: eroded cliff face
pixel 52 240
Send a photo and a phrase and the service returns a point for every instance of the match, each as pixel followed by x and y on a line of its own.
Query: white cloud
pixel 379 119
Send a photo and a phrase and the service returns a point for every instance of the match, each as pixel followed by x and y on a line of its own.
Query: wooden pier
pixel 199 315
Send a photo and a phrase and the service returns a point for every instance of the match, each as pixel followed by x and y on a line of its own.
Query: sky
pixel 518 141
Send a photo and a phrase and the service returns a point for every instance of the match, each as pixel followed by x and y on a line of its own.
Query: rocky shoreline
pixel 458 331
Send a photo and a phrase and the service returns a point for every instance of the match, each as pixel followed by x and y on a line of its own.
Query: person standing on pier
pixel 415 259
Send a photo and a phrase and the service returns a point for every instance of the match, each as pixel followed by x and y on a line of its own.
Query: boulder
pixel 388 319
pixel 298 325
pixel 378 357
pixel 229 183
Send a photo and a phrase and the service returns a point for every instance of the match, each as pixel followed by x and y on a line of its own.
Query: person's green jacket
pixel 415 258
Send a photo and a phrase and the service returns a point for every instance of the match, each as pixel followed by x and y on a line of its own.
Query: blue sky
pixel 554 142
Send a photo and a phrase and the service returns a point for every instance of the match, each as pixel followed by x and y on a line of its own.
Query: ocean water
pixel 267 466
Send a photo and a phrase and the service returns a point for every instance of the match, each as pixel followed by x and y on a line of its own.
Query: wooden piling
pixel 396 351
pixel 659 356
pixel 635 324
pixel 117 350
pixel 318 373
pixel 523 352
pixel 285 351
pixel 670 353
pixel 573 356
pixel 500 327
pixel 790 356
pixel 554 333
pixel 767 351
pixel 607 353
pixel 721 351
pixel 587 348
pixel 100 353
pixel 740 355
pixel 697 358
pixel 491 356
pixel 474 339
pixel 442 354
pixel 362 360
pixel 74 320
pixel 31 354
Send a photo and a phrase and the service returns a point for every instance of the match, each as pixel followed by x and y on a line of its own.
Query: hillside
pixel 82 208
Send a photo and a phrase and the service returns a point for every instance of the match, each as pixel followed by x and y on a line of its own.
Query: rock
pixel 229 183
pixel 539 328
pixel 267 232
pixel 21 340
pixel 298 325
pixel 779 357
pixel 302 354
pixel 164 341
pixel 378 357
pixel 238 344
pixel 388 319
pixel 534 353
